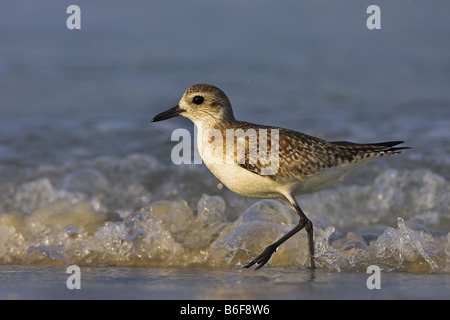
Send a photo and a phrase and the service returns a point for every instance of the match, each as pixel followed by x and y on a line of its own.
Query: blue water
pixel 87 180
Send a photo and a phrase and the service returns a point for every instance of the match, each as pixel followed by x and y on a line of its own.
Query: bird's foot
pixel 262 259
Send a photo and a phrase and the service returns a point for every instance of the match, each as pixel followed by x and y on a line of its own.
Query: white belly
pixel 234 177
pixel 246 183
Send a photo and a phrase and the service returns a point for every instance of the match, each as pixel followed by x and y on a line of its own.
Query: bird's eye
pixel 198 100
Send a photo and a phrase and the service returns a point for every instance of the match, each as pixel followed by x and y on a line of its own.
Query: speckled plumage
pixel 302 155
pixel 304 164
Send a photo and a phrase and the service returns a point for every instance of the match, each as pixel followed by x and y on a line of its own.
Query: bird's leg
pixel 310 233
pixel 304 222
pixel 308 227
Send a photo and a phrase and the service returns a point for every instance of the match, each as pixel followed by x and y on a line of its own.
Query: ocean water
pixel 86 179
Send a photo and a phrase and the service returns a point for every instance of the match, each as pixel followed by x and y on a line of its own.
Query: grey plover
pixel 304 163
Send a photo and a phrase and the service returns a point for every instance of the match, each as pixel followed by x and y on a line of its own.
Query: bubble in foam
pixel 33 195
pixel 85 180
pixel 270 211
pixel 405 248
pixel 139 240
pixel 211 209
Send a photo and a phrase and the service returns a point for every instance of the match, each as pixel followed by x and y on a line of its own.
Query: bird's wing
pixel 300 155
pixel 284 153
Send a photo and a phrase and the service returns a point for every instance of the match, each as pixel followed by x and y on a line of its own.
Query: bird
pixel 301 163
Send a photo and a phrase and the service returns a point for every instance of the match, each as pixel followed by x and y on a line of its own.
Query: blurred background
pixel 311 66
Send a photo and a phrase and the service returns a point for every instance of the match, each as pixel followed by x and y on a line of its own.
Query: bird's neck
pixel 221 123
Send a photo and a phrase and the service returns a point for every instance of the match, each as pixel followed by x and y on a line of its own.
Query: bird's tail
pixel 374 149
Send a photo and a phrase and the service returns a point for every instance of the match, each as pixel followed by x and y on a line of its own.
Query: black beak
pixel 172 112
